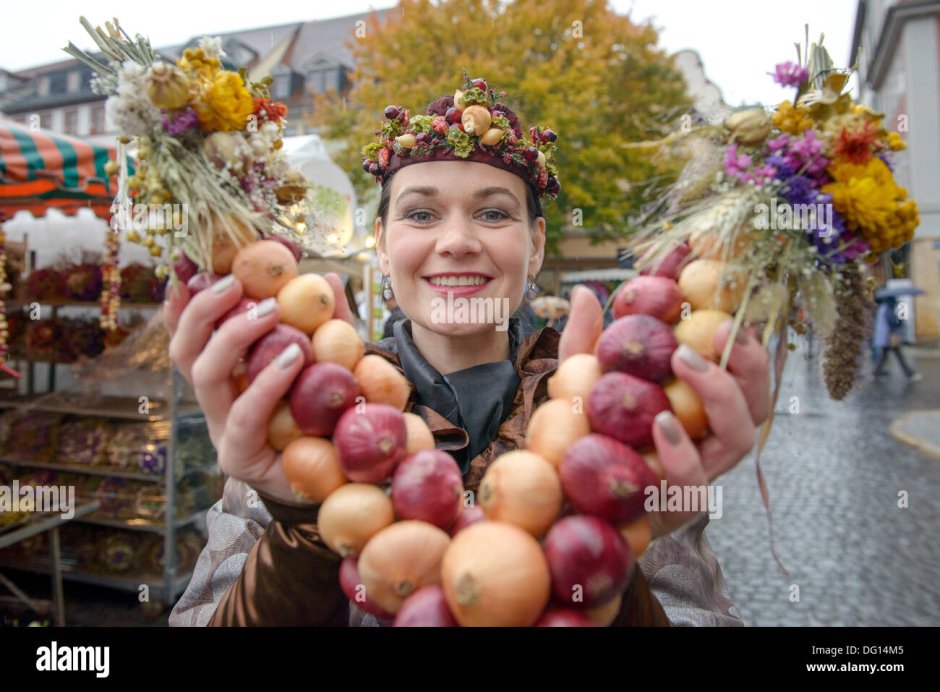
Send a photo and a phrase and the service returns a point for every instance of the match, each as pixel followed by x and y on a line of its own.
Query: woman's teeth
pixel 458 280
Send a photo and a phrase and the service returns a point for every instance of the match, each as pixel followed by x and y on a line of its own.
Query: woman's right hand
pixel 207 357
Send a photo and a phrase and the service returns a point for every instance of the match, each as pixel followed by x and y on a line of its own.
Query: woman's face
pixel 458 245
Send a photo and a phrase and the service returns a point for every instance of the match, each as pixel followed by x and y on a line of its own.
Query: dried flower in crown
pixel 471 125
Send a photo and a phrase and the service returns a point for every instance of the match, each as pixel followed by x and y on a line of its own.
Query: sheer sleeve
pixel 235 523
pixel 684 575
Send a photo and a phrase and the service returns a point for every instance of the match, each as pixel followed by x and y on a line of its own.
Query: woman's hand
pixel 736 401
pixel 207 357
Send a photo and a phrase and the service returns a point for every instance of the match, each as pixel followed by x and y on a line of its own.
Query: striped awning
pixel 41 170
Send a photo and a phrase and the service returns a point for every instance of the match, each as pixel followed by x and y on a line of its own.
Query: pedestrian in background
pixel 888 338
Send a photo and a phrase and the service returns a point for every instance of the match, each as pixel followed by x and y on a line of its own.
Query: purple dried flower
pixel 790 74
pixel 183 122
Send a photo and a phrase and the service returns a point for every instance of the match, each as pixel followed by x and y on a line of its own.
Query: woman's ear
pixel 537 255
pixel 380 248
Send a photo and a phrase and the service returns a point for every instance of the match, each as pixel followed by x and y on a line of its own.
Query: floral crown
pixel 471 125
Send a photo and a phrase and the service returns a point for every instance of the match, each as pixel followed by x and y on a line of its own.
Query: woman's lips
pixel 457 291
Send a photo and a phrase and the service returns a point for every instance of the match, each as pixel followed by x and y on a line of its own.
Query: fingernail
pixel 670 426
pixel 265 307
pixel 692 358
pixel 288 356
pixel 222 285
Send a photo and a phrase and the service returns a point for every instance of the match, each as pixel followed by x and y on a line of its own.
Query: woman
pixel 889 337
pixel 451 225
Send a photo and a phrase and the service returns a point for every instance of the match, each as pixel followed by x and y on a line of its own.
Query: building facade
pixel 897 44
pixel 303 58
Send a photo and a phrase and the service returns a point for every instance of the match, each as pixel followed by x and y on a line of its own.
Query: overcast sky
pixel 738 40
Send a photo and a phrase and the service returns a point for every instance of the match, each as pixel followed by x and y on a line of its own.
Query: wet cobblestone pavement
pixel 835 474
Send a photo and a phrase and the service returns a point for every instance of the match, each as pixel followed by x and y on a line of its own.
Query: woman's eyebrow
pixel 425 190
pixel 489 191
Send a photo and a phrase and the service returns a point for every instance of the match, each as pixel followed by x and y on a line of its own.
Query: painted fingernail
pixel 288 356
pixel 670 426
pixel 691 358
pixel 222 285
pixel 265 307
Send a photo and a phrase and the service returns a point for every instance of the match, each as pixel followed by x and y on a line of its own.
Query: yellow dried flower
pixel 224 103
pixel 792 119
pixel 895 143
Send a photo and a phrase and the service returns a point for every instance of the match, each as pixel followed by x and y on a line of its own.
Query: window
pixel 74 81
pixel 43 89
pixel 99 121
pixel 70 119
pixel 324 78
pixel 58 83
pixel 282 86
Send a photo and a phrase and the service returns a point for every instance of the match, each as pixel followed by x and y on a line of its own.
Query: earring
pixel 387 292
pixel 533 291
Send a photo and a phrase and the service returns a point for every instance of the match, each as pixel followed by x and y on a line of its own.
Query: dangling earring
pixel 532 292
pixel 387 292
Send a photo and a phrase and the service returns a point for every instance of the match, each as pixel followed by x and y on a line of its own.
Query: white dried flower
pixel 212 47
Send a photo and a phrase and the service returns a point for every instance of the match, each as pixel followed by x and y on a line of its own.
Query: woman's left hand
pixel 736 401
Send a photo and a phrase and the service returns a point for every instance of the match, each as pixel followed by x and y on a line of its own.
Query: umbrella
pixel 897 292
pixel 40 170
pixel 550 307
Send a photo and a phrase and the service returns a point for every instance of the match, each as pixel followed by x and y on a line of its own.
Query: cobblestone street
pixel 834 474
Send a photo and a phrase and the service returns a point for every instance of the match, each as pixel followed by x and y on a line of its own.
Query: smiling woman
pixel 460 226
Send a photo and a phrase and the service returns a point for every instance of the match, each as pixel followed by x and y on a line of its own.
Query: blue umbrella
pixel 897 292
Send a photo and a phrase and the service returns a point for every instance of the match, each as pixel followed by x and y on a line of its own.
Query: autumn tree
pixel 577 66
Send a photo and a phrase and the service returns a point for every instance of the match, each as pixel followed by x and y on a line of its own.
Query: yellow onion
pixel 522 488
pixel 492 137
pixel 352 514
pixel 406 141
pixel 476 120
pixel 336 341
pixel 458 99
pixel 750 126
pixel 399 560
pixel 697 332
pixel 167 86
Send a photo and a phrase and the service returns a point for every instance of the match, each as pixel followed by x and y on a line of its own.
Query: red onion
pixel 201 282
pixel 638 345
pixel 370 439
pixel 589 561
pixel 244 305
pixel 426 607
pixel 355 590
pixel 272 344
pixel 185 268
pixel 624 407
pixel 656 296
pixel 320 395
pixel 606 479
pixel 467 517
pixel 428 485
pixel 670 265
pixel 295 249
pixel 564 617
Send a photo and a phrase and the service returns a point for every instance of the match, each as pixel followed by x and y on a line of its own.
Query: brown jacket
pixel 292 578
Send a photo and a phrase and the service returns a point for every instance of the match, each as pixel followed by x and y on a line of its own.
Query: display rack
pixel 174 414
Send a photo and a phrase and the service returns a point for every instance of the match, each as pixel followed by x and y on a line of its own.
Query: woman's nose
pixel 458 238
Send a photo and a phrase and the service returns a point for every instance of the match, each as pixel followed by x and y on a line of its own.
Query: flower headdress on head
pixel 471 125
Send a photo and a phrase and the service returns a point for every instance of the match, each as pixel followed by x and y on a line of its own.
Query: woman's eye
pixel 495 215
pixel 419 216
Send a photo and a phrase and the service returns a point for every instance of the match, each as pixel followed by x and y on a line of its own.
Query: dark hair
pixel 533 206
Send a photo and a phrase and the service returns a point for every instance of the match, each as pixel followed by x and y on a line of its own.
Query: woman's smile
pixel 459 284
